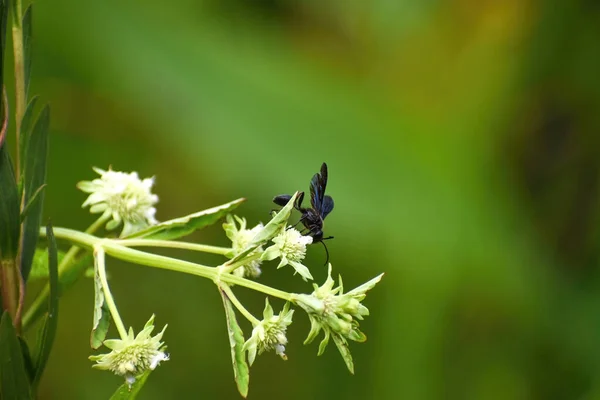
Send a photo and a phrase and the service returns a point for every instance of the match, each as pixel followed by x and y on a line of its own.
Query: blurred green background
pixel 463 148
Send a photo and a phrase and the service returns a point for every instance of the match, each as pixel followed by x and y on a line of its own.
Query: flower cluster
pixel 132 356
pixel 336 313
pixel 269 334
pixel 240 239
pixel 121 198
pixel 288 245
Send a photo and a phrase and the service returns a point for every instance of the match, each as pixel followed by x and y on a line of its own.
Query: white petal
pixel 280 350
pixel 100 207
pixel 130 379
pixel 158 358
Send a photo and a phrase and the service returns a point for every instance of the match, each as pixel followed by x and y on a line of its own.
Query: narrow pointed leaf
pixel 324 342
pixel 241 371
pixel 27 360
pixel 365 287
pixel 14 383
pixel 4 5
pixel 51 322
pixel 27 35
pixel 342 346
pixel 315 328
pixel 270 230
pixel 9 193
pixel 14 16
pixel 126 392
pixel 32 202
pixel 101 312
pixel 103 323
pixel 183 226
pixel 26 127
pixel 35 176
pixel 9 208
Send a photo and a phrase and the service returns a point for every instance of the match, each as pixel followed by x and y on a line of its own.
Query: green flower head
pixel 240 239
pixel 269 334
pixel 336 313
pixel 132 356
pixel 290 246
pixel 125 198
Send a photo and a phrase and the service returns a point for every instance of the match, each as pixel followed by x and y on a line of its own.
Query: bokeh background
pixel 463 147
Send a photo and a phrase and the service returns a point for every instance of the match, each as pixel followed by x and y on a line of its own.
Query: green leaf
pixel 270 230
pixel 51 322
pixel 365 287
pixel 126 392
pixel 26 128
pixel 324 342
pixel 14 383
pixel 101 325
pixel 4 5
pixel 39 267
pixel 32 202
pixel 66 280
pixel 101 312
pixel 27 34
pixel 342 346
pixel 75 271
pixel 241 372
pixel 15 17
pixel 35 177
pixel 9 193
pixel 27 361
pixel 9 208
pixel 183 226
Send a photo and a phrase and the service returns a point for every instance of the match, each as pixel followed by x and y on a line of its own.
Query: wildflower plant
pixel 125 227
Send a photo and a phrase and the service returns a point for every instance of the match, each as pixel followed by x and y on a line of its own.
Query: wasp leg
pixel 296 224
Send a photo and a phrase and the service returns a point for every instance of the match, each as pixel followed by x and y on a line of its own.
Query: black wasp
pixel 312 218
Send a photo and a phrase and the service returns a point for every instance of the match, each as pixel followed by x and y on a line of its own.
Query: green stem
pixel 9 287
pixel 229 268
pixel 239 305
pixel 113 249
pixel 13 284
pixel 41 301
pixel 72 252
pixel 174 245
pixel 108 298
pixel 20 95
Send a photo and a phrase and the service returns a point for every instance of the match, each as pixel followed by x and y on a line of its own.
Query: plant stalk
pixel 19 60
pixel 114 249
pixel 239 305
pixel 108 298
pixel 174 245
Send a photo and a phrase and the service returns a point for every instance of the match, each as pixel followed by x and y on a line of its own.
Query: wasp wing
pixel 318 184
pixel 327 206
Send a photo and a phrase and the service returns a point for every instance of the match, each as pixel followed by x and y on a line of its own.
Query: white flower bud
pixel 131 357
pixel 125 198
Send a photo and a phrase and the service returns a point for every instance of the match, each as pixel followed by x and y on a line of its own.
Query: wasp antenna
pixel 326 252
